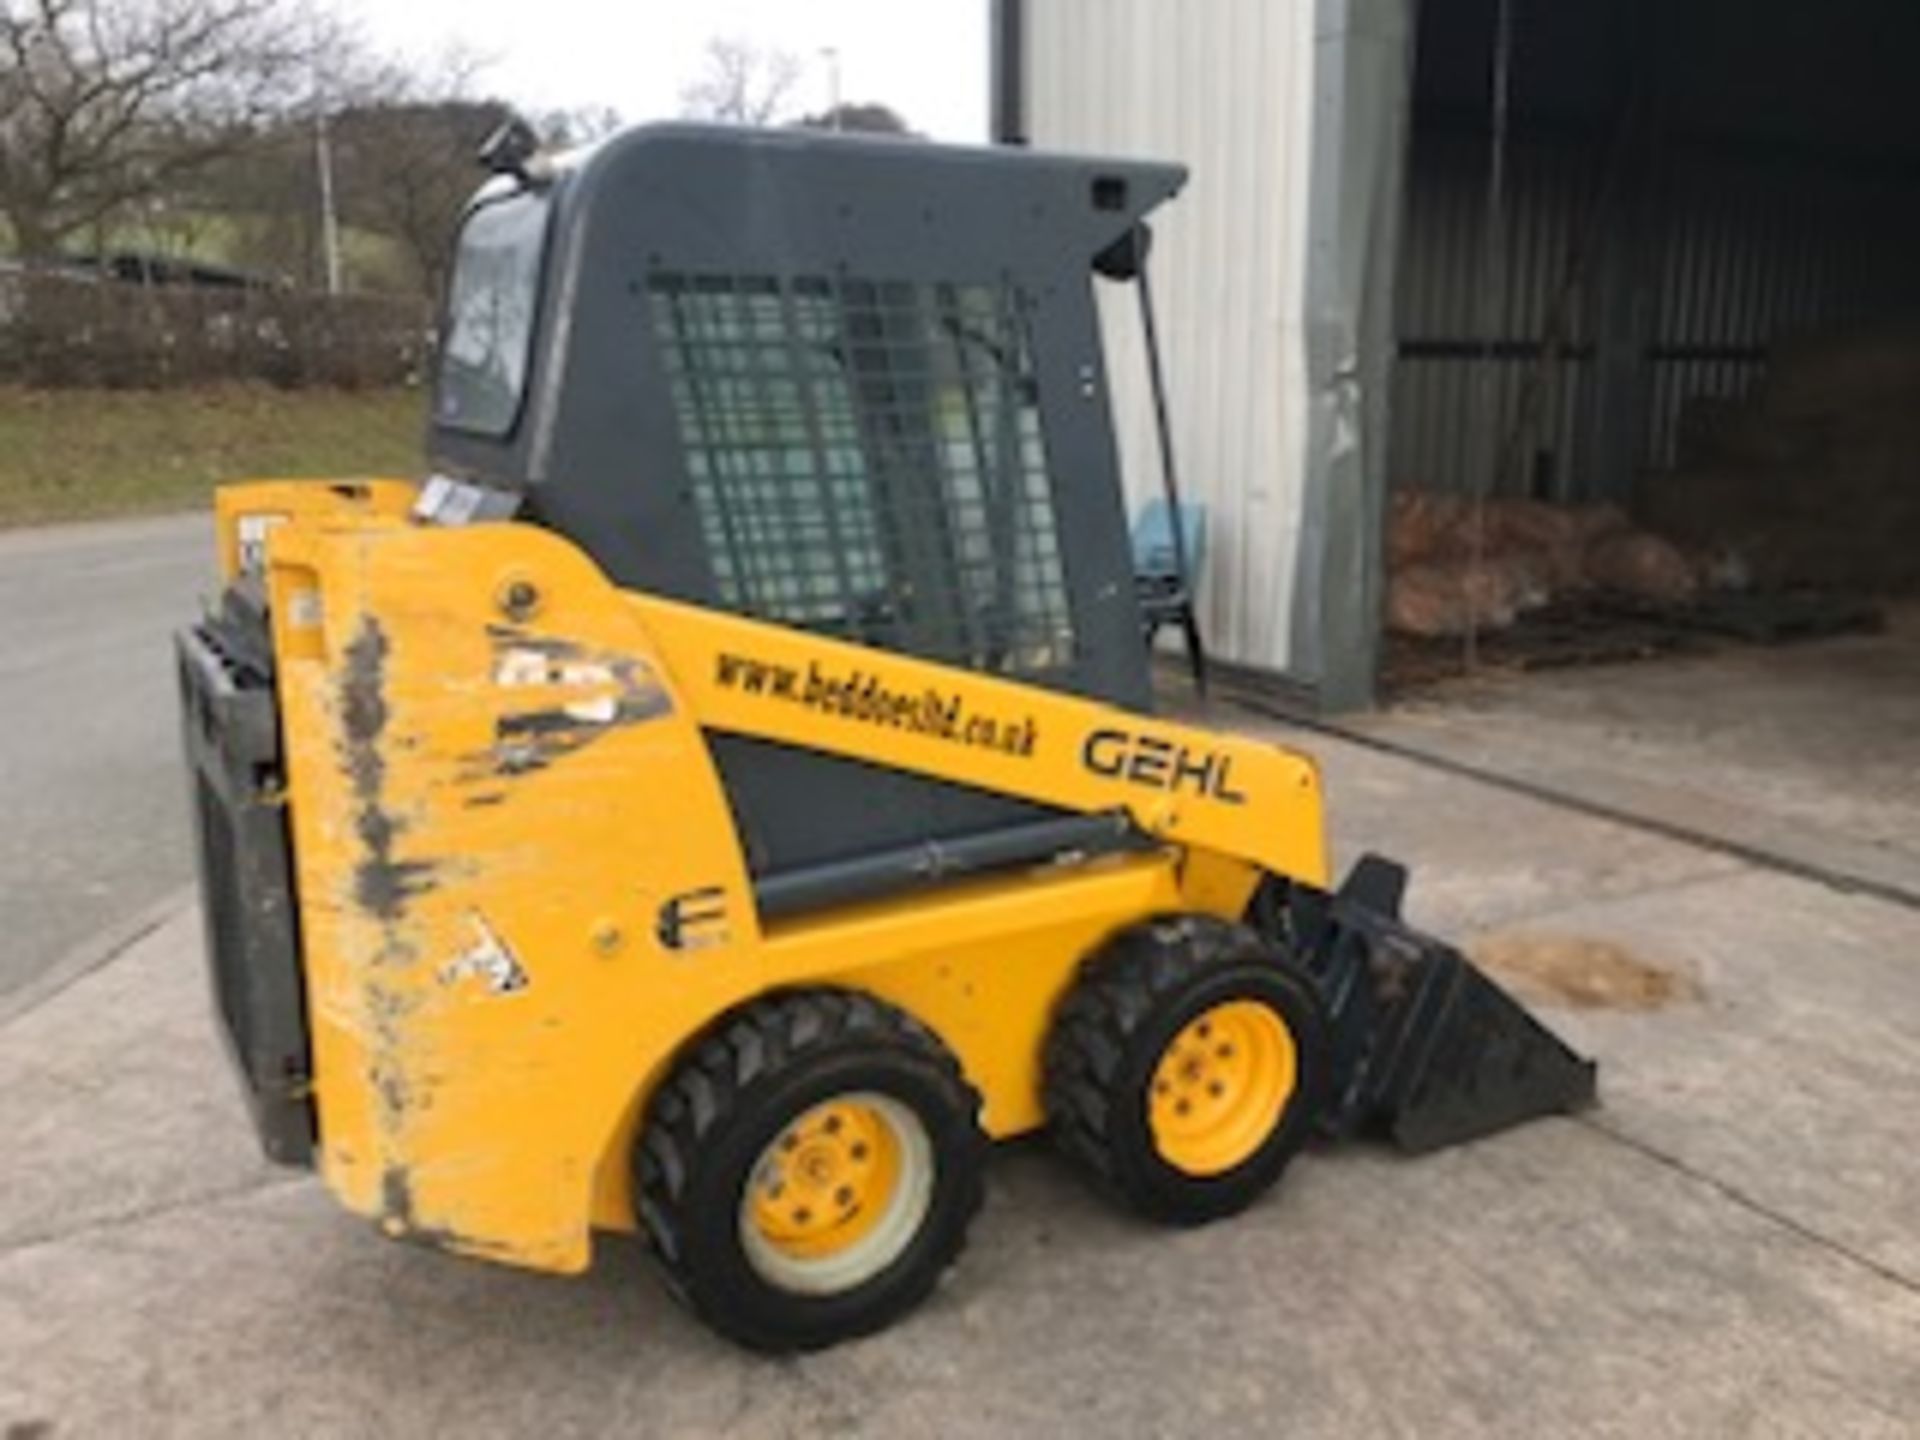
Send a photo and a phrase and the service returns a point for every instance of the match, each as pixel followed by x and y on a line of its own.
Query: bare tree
pixel 104 103
pixel 743 84
pixel 407 170
pixel 406 164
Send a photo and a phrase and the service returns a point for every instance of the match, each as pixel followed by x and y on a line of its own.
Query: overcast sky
pixel 925 58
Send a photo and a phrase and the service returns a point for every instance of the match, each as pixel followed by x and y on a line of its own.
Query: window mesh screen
pixel 866 460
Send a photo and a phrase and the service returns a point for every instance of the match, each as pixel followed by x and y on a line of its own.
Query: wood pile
pixel 1442 580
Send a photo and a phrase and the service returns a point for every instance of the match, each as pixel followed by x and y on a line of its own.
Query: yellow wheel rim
pixel 1221 1087
pixel 838 1193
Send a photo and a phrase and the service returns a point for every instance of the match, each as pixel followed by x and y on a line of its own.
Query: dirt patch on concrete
pixel 1583 973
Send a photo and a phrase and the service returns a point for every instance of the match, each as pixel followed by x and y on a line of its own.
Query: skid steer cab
pixel 726 796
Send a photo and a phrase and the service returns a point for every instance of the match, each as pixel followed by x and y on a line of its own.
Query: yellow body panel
pixel 1235 797
pixel 520 889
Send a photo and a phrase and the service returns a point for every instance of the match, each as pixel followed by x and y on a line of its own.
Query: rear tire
pixel 809 1171
pixel 1185 1068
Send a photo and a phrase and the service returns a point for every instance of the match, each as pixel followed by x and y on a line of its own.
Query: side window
pixel 867 460
pixel 488 332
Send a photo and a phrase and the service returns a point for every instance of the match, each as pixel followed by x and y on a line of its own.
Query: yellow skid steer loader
pixel 725 795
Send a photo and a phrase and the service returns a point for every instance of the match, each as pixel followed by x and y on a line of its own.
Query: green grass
pixel 79 454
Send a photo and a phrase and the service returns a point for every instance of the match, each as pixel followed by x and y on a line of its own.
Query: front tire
pixel 809 1171
pixel 1185 1067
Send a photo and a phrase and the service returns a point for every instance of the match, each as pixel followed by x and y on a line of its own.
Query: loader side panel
pixel 521 891
pixel 497 809
pixel 1252 802
pixel 981 964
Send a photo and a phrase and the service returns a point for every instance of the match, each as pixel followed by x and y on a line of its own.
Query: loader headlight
pixel 250 534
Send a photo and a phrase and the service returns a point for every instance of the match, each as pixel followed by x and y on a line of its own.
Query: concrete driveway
pixel 1727 1246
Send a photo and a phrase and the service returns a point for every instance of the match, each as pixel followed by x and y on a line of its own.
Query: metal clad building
pixel 1355 297
pixel 1270 271
pixel 1230 98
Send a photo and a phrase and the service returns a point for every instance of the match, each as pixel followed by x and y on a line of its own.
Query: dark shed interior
pixel 1657 319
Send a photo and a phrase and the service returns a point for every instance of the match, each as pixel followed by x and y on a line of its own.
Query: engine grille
pixel 231 732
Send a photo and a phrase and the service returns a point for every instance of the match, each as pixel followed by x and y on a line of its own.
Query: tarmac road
pixel 95 828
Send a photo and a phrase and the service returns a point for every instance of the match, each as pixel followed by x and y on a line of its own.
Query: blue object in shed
pixel 1164 592
pixel 1153 539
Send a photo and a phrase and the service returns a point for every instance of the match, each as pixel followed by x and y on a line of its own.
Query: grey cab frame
pixel 737 330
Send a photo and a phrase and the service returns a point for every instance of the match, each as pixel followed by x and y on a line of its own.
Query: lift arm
pixel 1239 799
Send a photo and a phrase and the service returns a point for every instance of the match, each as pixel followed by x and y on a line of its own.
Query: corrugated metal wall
pixel 1540 351
pixel 1751 251
pixel 1738 252
pixel 1226 87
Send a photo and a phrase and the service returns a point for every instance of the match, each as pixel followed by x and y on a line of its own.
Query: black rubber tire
pixel 1132 997
pixel 708 1124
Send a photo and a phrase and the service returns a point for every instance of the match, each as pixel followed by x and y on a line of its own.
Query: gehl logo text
pixel 1160 764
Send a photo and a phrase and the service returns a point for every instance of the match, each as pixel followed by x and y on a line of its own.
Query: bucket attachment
pixel 1425 1047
